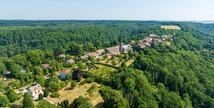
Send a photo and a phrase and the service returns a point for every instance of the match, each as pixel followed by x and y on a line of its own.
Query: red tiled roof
pixel 71 61
pixel 65 71
pixel 46 65
pixel 147 44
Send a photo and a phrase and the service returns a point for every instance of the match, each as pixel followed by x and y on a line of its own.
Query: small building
pixel 157 40
pixel 148 39
pixel 34 90
pixel 125 48
pixel 46 65
pixel 62 55
pixel 153 35
pixel 100 51
pixel 132 43
pixel 147 44
pixel 64 73
pixel 70 61
pixel 141 45
pixel 83 57
pixel 113 50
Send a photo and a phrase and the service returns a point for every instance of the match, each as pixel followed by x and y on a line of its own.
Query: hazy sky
pixel 107 9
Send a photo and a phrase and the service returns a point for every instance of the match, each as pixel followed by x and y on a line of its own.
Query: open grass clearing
pixel 174 27
pixel 79 90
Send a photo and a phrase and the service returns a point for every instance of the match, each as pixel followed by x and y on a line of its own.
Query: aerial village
pixel 103 57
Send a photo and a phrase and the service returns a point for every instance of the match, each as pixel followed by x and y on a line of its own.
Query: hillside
pixel 166 67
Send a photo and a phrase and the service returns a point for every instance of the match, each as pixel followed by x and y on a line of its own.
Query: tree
pixel 27 101
pixel 2 68
pixel 69 76
pixel 113 98
pixel 58 67
pixel 11 95
pixel 123 64
pixel 46 93
pixel 81 102
pixel 34 58
pixel 77 75
pixel 73 84
pixel 20 60
pixel 3 101
pixel 105 56
pixel 15 71
pixel 113 63
pixel 64 104
pixel 54 79
pixel 40 96
pixel 98 44
pixel 81 65
pixel 172 100
pixel 37 71
pixel 53 86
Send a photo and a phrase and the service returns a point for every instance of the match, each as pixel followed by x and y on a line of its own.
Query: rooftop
pixel 65 71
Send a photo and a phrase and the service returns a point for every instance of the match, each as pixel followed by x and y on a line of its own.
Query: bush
pixel 55 95
pixel 73 84
pixel 62 84
pixel 46 92
pixel 40 96
pixel 90 80
pixel 83 82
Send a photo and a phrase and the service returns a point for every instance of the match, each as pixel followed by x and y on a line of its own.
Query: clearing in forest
pixel 174 27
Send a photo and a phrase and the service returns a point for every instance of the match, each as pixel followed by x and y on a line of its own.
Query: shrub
pixel 83 82
pixel 46 92
pixel 73 84
pixel 62 84
pixel 40 96
pixel 90 80
pixel 55 95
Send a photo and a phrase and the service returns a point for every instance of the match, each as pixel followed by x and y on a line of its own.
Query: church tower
pixel 121 46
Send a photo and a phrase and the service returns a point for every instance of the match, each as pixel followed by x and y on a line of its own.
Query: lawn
pixel 171 27
pixel 79 90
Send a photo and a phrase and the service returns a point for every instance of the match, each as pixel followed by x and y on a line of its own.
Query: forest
pixel 175 75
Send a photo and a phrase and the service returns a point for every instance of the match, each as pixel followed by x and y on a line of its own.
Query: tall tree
pixel 27 101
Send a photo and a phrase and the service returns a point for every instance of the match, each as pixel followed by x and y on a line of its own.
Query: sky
pixel 173 10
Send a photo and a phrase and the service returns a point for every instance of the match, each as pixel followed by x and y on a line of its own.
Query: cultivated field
pixel 171 27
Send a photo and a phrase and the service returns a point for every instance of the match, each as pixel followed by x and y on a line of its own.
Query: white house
pixel 35 90
pixel 64 73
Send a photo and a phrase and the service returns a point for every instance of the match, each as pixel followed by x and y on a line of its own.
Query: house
pixel 163 39
pixel 62 55
pixel 125 48
pixel 70 61
pixel 34 90
pixel 153 35
pixel 157 40
pixel 46 65
pixel 100 51
pixel 113 50
pixel 83 57
pixel 147 44
pixel 141 45
pixel 132 43
pixel 148 39
pixel 64 73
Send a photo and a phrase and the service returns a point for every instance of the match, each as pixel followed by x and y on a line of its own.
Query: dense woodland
pixel 179 75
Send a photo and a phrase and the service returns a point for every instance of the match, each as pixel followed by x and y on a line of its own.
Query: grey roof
pixel 126 46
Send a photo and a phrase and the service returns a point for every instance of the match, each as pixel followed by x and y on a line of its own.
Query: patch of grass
pixel 78 91
pixel 171 27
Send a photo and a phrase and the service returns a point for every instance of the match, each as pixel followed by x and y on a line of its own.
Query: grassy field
pixel 79 90
pixel 171 27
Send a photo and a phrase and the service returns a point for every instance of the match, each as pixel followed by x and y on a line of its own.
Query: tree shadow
pixel 100 105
